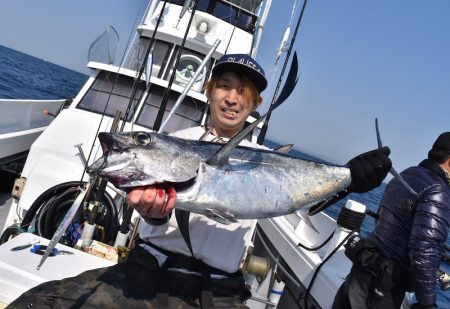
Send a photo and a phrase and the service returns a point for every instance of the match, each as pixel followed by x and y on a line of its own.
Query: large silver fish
pixel 243 183
pixel 223 182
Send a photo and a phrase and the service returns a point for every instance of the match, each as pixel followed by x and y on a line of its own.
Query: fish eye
pixel 142 138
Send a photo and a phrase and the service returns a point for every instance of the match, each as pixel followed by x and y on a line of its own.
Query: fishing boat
pixel 160 89
pixel 17 134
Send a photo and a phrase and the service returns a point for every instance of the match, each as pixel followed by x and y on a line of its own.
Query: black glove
pixel 369 169
pixel 419 306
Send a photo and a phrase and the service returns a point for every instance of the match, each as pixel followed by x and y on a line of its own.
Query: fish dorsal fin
pixel 221 157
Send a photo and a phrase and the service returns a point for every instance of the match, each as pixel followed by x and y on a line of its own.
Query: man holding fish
pixel 182 260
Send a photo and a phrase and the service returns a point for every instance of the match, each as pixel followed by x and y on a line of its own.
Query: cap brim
pixel 258 79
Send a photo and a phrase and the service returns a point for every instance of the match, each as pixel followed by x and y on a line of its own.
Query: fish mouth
pixel 178 186
pixel 108 147
pixel 97 166
pixel 183 186
pixel 114 168
pixel 100 166
pixel 106 142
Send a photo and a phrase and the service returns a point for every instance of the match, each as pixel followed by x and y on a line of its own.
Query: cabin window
pixel 235 15
pixel 111 92
pixel 249 5
pixel 201 6
pixel 161 53
pixel 240 13
pixel 187 66
pixel 136 58
pixel 188 114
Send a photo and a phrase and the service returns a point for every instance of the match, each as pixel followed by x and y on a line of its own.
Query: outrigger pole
pixel 263 132
pixel 261 25
pixel 165 98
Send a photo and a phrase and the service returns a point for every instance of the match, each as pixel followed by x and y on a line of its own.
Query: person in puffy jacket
pixel 403 251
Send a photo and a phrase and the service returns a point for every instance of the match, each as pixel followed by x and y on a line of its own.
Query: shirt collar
pixel 433 166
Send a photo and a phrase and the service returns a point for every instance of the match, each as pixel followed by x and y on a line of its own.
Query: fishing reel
pixel 92 210
pixel 444 279
pixel 257 266
pixel 49 208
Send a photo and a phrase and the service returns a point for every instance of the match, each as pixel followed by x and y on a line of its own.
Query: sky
pixel 359 60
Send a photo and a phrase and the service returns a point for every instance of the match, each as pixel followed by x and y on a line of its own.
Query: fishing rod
pixel 84 195
pixel 127 210
pixel 143 66
pixel 392 170
pixel 263 132
pixel 84 159
pixel 101 184
pixel 134 89
pixel 85 192
pixel 165 98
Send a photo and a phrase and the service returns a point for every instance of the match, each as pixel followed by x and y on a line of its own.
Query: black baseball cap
pixel 442 142
pixel 243 64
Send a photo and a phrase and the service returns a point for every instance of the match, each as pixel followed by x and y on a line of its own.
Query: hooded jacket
pixel 411 229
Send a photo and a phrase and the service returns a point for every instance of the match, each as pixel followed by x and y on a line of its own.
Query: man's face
pixel 229 108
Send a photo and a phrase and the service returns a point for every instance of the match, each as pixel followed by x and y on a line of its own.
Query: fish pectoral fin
pixel 220 216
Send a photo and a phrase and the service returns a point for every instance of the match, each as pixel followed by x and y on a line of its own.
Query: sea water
pixel 26 77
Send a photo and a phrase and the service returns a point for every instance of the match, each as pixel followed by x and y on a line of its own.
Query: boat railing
pixel 31 111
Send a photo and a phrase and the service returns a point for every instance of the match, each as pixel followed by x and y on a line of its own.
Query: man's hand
pixel 369 169
pixel 152 202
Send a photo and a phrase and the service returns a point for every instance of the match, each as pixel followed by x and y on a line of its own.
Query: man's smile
pixel 230 111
